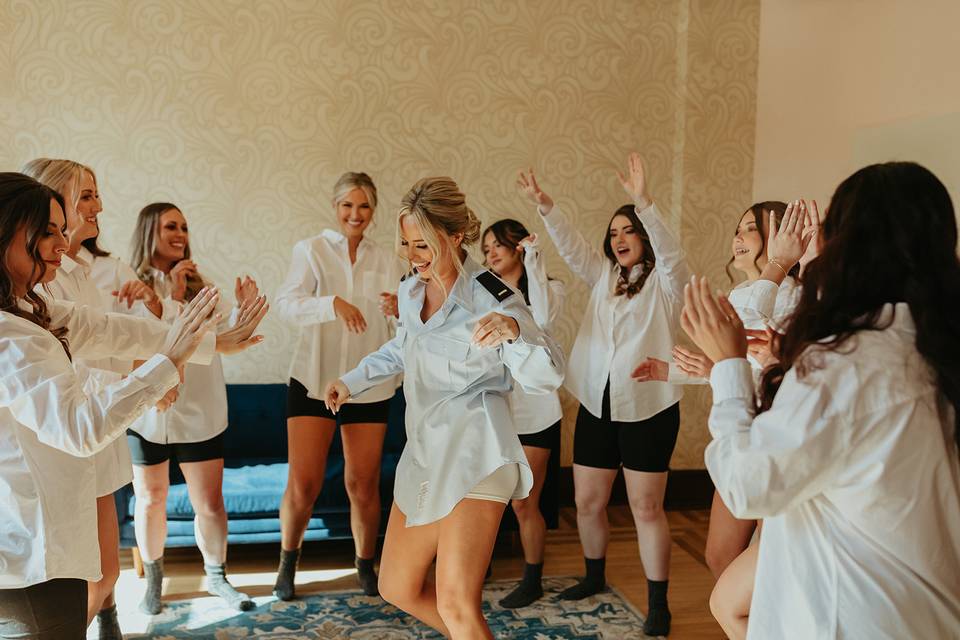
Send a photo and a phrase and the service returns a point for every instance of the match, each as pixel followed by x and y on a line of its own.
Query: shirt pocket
pixel 455 365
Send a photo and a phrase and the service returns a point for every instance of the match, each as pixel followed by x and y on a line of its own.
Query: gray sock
pixel 284 588
pixel 217 585
pixel 109 625
pixel 153 574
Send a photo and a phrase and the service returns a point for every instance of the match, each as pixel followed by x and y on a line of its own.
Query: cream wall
pixel 845 84
pixel 244 114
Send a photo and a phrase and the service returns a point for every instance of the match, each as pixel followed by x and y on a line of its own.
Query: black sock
pixel 367 576
pixel 153 574
pixel 594 582
pixel 217 585
pixel 284 587
pixel 658 613
pixel 528 591
pixel 109 626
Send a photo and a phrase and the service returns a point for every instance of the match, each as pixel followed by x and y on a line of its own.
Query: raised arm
pixel 546 295
pixel 671 264
pixel 584 260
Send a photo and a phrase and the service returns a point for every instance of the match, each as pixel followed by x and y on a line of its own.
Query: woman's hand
pixel 494 329
pixel 335 395
pixel 651 369
pixel 168 400
pixel 760 346
pixel 811 234
pixel 693 363
pixel 134 290
pixel 786 244
pixel 635 182
pixel 245 290
pixel 528 186
pixel 712 323
pixel 178 278
pixel 190 325
pixel 389 305
pixel 352 319
pixel 240 336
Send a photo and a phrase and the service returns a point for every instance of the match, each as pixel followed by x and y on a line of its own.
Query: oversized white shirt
pixel 760 304
pixel 532 413
pixel 618 332
pixel 50 425
pixel 854 471
pixel 200 412
pixel 320 270
pixel 458 421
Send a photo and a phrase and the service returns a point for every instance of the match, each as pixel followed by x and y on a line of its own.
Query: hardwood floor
pixel 329 566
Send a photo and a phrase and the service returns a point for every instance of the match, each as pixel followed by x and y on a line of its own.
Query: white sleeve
pixel 385 362
pixel 93 334
pixel 585 261
pixel 296 298
pixel 44 393
pixel 546 296
pixel 764 465
pixel 671 263
pixel 535 359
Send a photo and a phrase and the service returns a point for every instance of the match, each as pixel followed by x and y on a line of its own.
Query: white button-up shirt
pixel 854 471
pixel 617 332
pixel 49 423
pixel 458 421
pixel 320 270
pixel 73 283
pixel 200 412
pixel 532 413
pixel 759 304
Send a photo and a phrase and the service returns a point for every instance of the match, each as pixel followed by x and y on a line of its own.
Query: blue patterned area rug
pixel 348 614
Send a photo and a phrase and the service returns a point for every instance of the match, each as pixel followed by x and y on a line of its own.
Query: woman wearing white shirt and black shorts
pixel 633 313
pixel 340 290
pixel 514 255
pixel 852 459
pixel 51 423
pixel 192 430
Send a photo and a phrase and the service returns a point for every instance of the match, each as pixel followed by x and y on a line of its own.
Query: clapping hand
pixel 712 322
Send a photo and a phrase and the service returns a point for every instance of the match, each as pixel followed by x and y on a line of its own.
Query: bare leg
pixel 727 537
pixel 100 593
pixel 309 441
pixel 592 486
pixel 730 600
pixel 645 492
pixel 533 533
pixel 151 484
pixel 362 452
pixel 205 488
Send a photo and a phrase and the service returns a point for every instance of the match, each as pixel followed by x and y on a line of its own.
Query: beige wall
pixel 245 113
pixel 844 84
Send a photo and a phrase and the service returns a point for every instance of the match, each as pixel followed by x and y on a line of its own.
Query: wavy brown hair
pixel 889 236
pixel 25 204
pixel 761 217
pixel 649 259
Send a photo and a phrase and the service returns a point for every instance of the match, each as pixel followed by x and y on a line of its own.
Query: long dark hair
pixel 509 233
pixel 761 216
pixel 890 236
pixel 25 203
pixel 145 241
pixel 649 259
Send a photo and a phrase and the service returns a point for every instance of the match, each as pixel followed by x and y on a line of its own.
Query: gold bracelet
pixel 779 266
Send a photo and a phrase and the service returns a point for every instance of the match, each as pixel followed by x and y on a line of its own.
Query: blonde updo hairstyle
pixel 437 204
pixel 63 176
pixel 355 180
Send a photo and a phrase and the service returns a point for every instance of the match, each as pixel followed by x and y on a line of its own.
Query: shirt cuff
pixel 158 372
pixel 731 378
pixel 354 381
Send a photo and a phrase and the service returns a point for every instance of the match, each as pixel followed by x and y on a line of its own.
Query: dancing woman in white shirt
pixel 632 313
pixel 463 339
pixel 852 462
pixel 73 283
pixel 192 430
pixel 514 255
pixel 756 232
pixel 337 283
pixel 50 424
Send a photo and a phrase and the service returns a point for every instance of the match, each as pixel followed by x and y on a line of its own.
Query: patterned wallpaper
pixel 245 113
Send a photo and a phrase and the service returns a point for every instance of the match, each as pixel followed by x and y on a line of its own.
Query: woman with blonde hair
pixel 192 430
pixel 339 290
pixel 463 339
